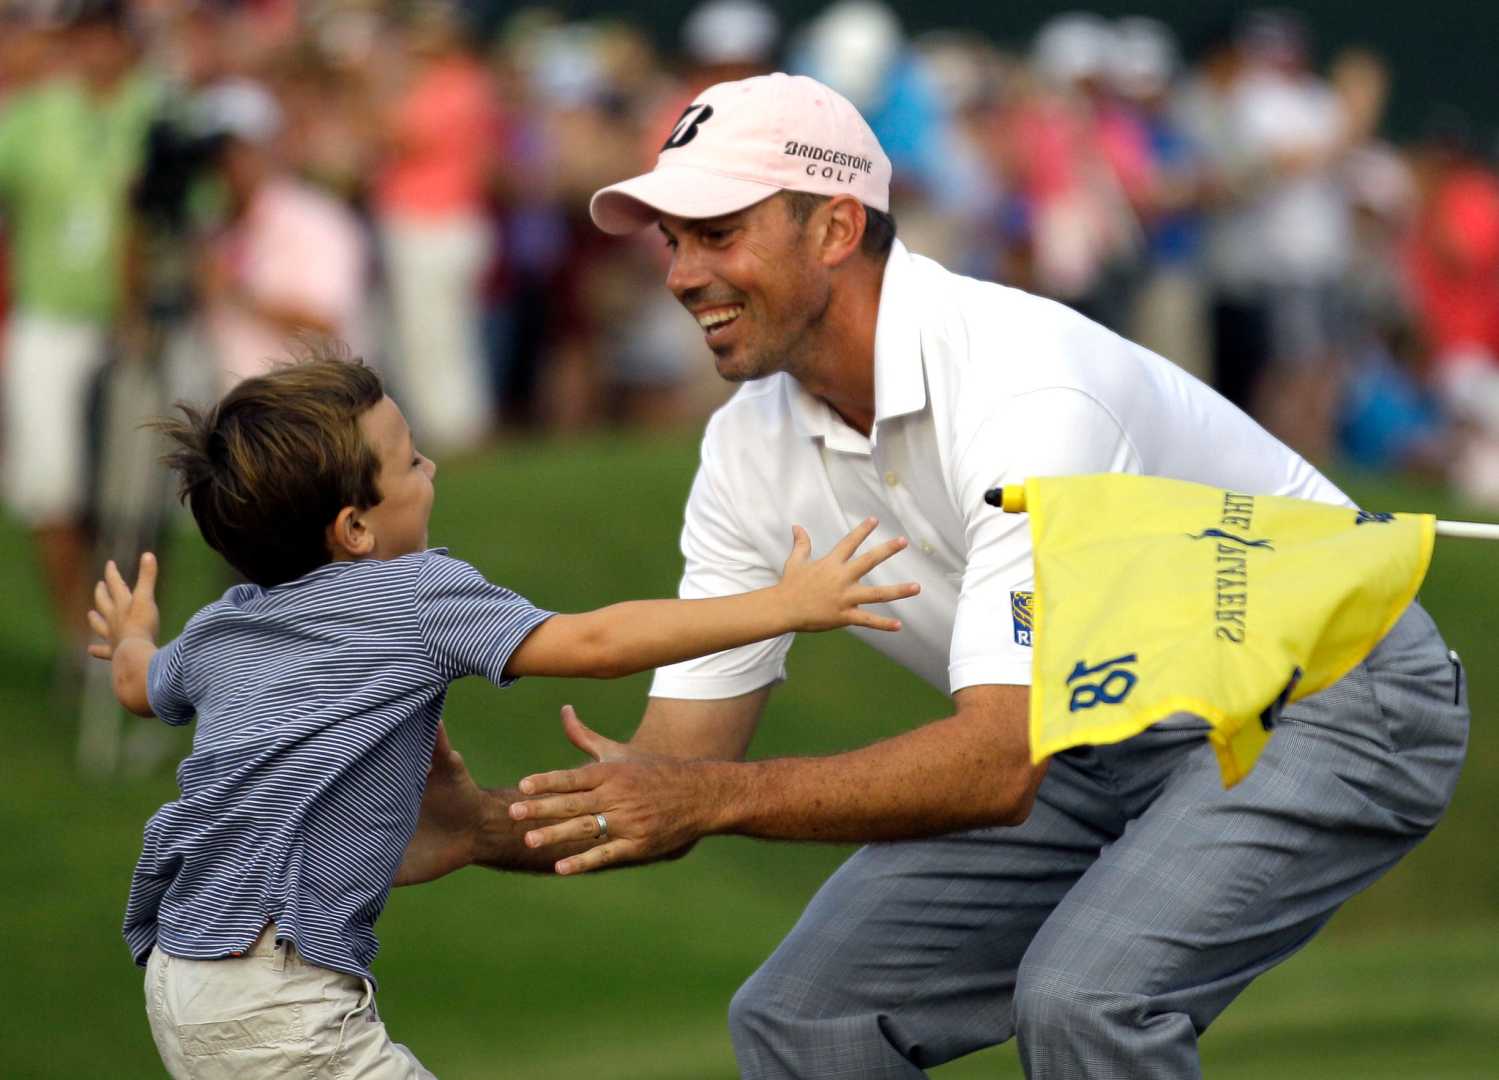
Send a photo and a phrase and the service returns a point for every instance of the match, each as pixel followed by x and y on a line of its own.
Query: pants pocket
pixel 236 1018
pixel 271 1027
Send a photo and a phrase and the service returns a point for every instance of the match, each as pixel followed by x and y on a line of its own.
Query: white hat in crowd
pixel 731 32
pixel 240 108
pixel 853 46
pixel 1142 61
pixel 1072 47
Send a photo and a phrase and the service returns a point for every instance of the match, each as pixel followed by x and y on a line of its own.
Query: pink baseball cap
pixel 741 142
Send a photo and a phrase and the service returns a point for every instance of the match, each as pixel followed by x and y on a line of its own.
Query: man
pixel 1103 907
pixel 70 146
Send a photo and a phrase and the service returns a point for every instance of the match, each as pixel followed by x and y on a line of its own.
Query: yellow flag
pixel 1157 596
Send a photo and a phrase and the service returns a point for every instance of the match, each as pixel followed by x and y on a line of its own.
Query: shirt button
pixel 926 547
pixel 891 479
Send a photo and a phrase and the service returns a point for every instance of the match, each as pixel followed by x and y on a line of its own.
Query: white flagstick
pixel 1011 498
pixel 1472 530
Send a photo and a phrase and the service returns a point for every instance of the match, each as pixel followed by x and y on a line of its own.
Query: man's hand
pixel 452 807
pixel 654 806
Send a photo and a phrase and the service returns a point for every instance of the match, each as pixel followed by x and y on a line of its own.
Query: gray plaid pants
pixel 1137 901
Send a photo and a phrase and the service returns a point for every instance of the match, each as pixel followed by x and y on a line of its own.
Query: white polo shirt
pixel 975 385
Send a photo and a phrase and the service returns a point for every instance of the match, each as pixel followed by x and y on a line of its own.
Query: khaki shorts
pixel 269 1013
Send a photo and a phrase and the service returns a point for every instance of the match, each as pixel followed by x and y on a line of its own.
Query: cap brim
pixel 633 204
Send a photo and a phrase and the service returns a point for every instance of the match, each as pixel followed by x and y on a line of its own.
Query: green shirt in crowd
pixel 67 162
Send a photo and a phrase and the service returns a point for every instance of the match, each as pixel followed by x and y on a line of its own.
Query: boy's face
pixel 398 522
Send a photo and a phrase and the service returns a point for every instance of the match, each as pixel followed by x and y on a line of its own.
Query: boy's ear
pixel 350 537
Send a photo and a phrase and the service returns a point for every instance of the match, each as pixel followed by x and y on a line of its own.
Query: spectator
pixel 430 200
pixel 1204 107
pixel 1453 261
pixel 520 286
pixel 1299 130
pixel 69 150
pixel 968 227
pixel 291 259
pixel 604 361
pixel 26 54
pixel 1169 315
pixel 859 48
pixel 1390 416
pixel 1082 233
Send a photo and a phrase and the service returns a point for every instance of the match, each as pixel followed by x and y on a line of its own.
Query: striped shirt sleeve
pixel 164 689
pixel 469 625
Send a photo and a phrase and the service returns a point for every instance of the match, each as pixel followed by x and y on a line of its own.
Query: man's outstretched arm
pixel 461 823
pixel 967 770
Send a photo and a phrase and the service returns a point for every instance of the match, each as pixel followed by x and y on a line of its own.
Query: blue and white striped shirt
pixel 317 705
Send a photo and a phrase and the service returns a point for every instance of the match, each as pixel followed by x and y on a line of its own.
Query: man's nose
pixel 686 272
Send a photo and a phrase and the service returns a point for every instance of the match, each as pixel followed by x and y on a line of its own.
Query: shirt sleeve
pixel 1056 431
pixel 470 626
pixel 719 560
pixel 164 685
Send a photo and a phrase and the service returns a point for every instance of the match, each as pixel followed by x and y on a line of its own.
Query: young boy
pixel 318 690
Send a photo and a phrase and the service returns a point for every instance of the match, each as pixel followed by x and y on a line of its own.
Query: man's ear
pixel 350 537
pixel 843 229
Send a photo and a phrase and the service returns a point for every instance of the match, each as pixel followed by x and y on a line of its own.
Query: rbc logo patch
pixel 1023 612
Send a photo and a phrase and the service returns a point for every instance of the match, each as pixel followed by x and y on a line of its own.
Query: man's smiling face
pixel 753 282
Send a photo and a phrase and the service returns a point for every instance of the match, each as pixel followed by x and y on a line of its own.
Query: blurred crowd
pixel 187 185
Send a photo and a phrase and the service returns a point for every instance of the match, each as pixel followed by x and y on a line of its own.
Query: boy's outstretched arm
pixel 820 594
pixel 127 622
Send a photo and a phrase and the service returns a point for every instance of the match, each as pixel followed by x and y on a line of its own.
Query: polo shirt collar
pixel 899 379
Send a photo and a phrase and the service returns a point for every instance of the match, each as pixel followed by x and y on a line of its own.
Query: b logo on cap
pixel 687 125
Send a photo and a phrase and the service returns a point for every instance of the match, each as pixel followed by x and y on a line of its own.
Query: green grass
pixel 628 975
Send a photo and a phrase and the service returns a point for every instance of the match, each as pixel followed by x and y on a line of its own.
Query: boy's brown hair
pixel 267 469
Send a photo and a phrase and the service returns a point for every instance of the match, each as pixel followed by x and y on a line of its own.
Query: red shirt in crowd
pixel 444 130
pixel 1454 264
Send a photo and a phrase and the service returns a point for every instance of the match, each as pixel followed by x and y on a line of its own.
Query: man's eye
pixel 717 236
pixel 670 242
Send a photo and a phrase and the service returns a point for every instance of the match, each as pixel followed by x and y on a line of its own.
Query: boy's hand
pixel 827 593
pixel 120 613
